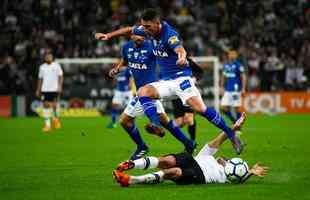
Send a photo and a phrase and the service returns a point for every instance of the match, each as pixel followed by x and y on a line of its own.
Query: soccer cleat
pixel 56 123
pixel 237 144
pixel 46 129
pixel 129 164
pixel 139 153
pixel 238 124
pixel 155 130
pixel 121 178
pixel 112 125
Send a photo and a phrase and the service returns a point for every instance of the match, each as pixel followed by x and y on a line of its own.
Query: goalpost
pixel 212 61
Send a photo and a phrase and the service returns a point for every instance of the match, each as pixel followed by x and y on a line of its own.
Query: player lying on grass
pixel 138 56
pixel 183 168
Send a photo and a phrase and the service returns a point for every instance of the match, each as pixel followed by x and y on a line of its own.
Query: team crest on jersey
pixel 136 54
pixel 173 40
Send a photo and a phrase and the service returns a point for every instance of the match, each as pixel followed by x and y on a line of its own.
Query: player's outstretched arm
pixel 257 170
pixel 116 33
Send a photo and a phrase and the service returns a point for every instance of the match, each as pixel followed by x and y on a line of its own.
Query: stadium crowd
pixel 271 36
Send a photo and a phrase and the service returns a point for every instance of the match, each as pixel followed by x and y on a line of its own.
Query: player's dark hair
pixel 150 14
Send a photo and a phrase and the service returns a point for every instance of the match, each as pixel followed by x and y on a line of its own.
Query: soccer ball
pixel 236 170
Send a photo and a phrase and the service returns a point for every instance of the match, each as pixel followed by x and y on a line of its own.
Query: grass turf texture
pixel 76 161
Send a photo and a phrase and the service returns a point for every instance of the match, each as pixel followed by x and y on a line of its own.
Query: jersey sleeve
pixel 174 40
pixel 40 72
pixel 59 69
pixel 139 30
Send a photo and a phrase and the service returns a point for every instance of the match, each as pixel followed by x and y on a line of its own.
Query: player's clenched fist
pixel 181 61
pixel 113 72
pixel 102 36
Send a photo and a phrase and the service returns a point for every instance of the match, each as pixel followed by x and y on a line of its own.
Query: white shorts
pixel 231 99
pixel 134 108
pixel 182 87
pixel 121 98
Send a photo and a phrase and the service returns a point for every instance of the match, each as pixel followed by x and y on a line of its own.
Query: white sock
pixel 207 150
pixel 46 115
pixel 148 162
pixel 152 178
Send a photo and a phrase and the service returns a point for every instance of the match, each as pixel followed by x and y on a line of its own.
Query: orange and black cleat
pixel 121 178
pixel 129 164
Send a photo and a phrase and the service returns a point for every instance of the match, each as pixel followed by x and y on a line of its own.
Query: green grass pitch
pixel 76 162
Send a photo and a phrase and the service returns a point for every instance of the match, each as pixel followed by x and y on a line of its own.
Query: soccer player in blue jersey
pixel 174 71
pixel 122 95
pixel 233 85
pixel 138 55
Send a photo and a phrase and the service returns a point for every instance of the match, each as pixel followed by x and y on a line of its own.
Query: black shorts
pixel 49 96
pixel 179 109
pixel 191 171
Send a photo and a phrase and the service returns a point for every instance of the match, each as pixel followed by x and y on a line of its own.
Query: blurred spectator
pixel 257 28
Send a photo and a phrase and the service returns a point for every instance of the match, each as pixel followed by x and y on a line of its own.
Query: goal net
pixel 86 85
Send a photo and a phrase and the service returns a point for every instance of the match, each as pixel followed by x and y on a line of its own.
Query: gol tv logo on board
pixel 281 102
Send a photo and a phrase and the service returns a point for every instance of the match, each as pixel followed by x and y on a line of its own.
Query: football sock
pixel 148 162
pixel 135 136
pixel 238 115
pixel 177 133
pixel 114 113
pixel 46 115
pixel 207 150
pixel 152 178
pixel 230 115
pixel 214 117
pixel 149 109
pixel 192 130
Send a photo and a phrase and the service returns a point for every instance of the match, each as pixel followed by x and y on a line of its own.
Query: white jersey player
pixel 49 87
pixel 183 168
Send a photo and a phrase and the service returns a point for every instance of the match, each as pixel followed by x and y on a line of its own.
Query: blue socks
pixel 114 113
pixel 214 117
pixel 135 136
pixel 230 115
pixel 149 109
pixel 192 130
pixel 238 115
pixel 177 133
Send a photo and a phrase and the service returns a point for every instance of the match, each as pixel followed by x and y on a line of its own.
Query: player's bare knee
pixel 148 91
pixel 46 104
pixel 125 121
pixel 166 162
pixel 164 119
